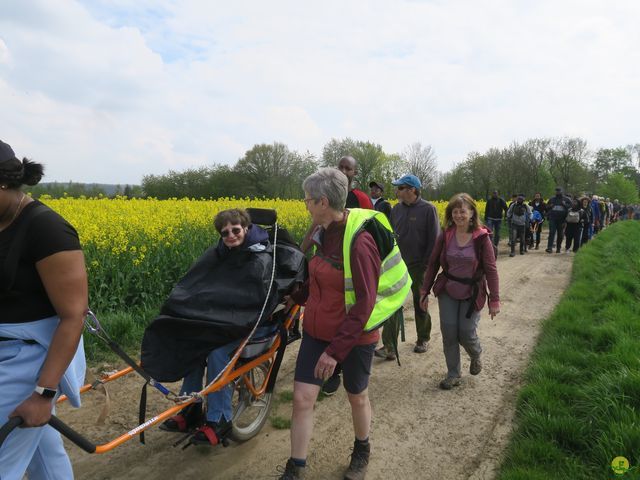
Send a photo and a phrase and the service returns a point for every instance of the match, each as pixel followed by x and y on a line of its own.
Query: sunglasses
pixel 401 187
pixel 235 230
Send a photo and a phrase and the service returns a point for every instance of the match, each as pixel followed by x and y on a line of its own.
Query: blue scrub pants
pixel 37 451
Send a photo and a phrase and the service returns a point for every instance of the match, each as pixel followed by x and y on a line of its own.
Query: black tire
pixel 250 413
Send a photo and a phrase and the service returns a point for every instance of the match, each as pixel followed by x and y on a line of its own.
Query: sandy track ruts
pixel 418 431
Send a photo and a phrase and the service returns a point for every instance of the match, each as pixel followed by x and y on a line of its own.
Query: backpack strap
pixel 10 266
pixel 474 281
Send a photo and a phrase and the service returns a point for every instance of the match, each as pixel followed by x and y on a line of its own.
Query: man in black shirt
pixel 557 209
pixel 494 211
pixel 379 202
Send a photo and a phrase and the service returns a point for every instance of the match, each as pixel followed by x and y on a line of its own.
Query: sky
pixel 111 90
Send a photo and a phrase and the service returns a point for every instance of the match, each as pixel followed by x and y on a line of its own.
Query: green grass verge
pixel 580 406
pixel 124 328
pixel 278 421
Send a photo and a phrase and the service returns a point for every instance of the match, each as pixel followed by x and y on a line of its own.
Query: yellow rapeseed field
pixel 137 249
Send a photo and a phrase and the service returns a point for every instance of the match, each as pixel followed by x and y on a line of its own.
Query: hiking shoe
pixel 212 433
pixel 512 254
pixel 331 385
pixel 421 346
pixel 476 366
pixel 382 352
pixel 537 246
pixel 290 471
pixel 359 461
pixel 449 382
pixel 188 419
pixel 548 250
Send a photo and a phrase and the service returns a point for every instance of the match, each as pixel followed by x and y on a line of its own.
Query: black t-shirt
pixel 47 234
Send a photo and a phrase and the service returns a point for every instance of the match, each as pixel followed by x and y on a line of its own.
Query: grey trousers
pixel 457 330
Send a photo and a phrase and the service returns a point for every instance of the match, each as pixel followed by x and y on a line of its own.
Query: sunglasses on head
pixel 235 230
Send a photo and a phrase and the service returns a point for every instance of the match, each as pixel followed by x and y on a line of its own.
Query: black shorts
pixel 356 367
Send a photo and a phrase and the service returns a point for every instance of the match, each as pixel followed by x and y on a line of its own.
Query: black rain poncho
pixel 218 301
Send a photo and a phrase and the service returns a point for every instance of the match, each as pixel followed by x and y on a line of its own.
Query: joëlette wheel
pixel 250 413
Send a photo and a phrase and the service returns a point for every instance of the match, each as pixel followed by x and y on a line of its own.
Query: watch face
pixel 46 392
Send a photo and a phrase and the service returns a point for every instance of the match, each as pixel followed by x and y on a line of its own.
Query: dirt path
pixel 419 431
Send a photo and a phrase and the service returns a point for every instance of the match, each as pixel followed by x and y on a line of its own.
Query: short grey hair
pixel 330 183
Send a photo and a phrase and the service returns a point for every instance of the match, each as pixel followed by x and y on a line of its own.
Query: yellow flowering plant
pixel 137 249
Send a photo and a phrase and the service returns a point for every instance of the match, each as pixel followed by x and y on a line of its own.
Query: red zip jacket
pixel 488 264
pixel 325 316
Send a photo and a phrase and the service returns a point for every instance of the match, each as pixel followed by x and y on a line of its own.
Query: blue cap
pixel 410 180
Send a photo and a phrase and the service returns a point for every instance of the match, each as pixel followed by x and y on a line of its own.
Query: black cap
pixel 6 152
pixel 376 184
pixel 559 189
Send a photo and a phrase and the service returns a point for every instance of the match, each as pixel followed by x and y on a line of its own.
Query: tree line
pixel 539 165
pixel 275 171
pixel 89 190
pixel 535 165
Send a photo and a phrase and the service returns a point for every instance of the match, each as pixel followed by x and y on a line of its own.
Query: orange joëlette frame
pixel 228 375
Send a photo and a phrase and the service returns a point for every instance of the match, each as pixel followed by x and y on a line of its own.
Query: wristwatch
pixel 45 392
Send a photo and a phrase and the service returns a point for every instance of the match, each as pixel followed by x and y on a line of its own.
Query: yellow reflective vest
pixel 394 283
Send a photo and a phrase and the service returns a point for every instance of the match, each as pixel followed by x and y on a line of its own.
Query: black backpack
pixel 519 209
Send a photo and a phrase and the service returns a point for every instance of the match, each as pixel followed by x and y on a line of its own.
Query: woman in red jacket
pixel 332 334
pixel 465 253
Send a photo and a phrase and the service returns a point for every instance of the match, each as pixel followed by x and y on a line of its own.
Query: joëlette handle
pixel 56 423
pixel 8 427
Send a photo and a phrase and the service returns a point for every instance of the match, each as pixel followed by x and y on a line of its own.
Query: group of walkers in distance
pixel 574 219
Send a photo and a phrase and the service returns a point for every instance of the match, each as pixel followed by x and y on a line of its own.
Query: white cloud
pixel 112 90
pixel 5 56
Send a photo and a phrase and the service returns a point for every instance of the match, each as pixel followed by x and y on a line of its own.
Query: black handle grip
pixel 8 427
pixel 72 435
pixel 56 423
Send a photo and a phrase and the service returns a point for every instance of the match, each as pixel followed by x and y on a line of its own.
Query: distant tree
pixel 64 189
pixel 453 181
pixel 568 163
pixel 538 176
pixel 390 169
pixel 335 149
pixel 373 162
pixel 634 151
pixel 479 171
pixel 193 183
pixel 618 187
pixel 420 161
pixel 274 171
pixel 611 160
